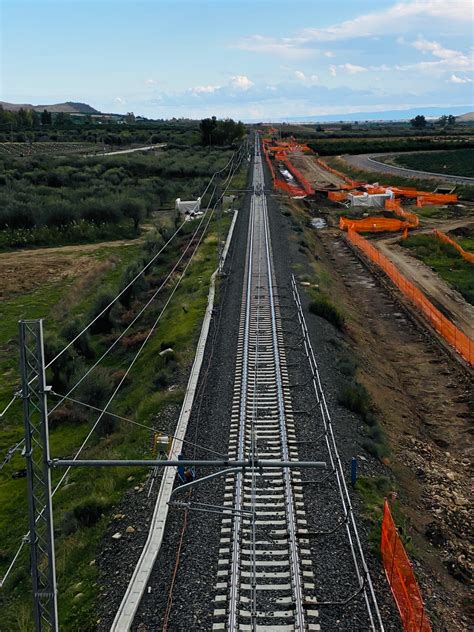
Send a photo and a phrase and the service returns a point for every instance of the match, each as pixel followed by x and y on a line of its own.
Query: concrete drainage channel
pixel 137 585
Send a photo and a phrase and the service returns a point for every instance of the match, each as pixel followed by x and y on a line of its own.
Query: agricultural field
pixel 370 144
pixel 457 162
pixel 54 149
pixel 47 200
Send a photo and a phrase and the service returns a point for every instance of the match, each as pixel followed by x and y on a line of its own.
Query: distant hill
pixel 389 115
pixel 469 116
pixel 69 107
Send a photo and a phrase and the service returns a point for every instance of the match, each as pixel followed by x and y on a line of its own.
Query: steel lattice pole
pixel 40 511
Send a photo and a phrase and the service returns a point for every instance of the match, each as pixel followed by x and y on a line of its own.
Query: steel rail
pixel 260 273
pixel 300 621
pixel 235 563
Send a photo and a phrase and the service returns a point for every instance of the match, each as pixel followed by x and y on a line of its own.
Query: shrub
pixel 103 324
pixel 96 387
pixel 347 366
pixel 378 450
pixel 355 397
pixel 90 511
pixel 321 306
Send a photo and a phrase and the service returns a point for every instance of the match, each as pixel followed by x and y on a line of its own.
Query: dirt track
pixel 422 396
pixel 316 175
pixel 443 296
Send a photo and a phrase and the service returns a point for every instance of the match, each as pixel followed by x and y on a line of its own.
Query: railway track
pixel 265 577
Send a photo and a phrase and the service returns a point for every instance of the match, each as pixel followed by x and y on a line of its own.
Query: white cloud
pixel 119 100
pixel 241 82
pixel 445 58
pixel 328 53
pixel 284 47
pixel 204 89
pixel 352 69
pixel 399 18
pixel 333 71
pixel 393 19
pixel 437 50
pixel 307 79
pixel 455 79
pixel 150 82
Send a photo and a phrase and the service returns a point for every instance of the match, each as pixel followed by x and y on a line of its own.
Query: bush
pixel 378 450
pixel 347 366
pixel 90 511
pixel 104 323
pixel 96 387
pixel 355 397
pixel 322 307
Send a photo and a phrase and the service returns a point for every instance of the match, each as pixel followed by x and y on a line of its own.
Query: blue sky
pixel 264 59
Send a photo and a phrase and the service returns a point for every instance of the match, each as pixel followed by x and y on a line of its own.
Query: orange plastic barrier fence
pixel 454 336
pixel 411 218
pixel 401 578
pixel 288 188
pixel 353 183
pixel 281 184
pixel 435 198
pixel 469 256
pixel 308 189
pixel 372 224
pixel 337 196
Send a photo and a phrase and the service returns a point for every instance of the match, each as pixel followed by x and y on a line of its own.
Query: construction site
pixel 366 212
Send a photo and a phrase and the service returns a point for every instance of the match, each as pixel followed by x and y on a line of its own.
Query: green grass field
pixel 445 260
pixel 139 399
pixel 459 162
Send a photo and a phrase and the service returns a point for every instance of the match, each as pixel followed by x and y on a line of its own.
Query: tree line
pixel 221 132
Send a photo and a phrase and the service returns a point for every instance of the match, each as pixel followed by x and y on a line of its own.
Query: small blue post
pixel 353 471
pixel 181 469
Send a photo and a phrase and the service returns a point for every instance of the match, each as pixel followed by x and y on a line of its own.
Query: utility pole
pixel 39 464
pixel 40 510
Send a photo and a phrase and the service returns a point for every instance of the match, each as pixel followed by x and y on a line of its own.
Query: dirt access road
pixel 371 162
pixel 317 176
pixel 422 397
pixel 441 294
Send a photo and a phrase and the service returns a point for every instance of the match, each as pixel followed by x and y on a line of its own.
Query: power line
pixel 71 342
pixel 104 411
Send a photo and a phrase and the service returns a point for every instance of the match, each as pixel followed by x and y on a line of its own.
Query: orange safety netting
pixel 350 181
pixel 435 198
pixel 282 185
pixel 371 224
pixel 411 218
pixel 337 196
pixel 308 189
pixel 469 256
pixel 448 330
pixel 401 577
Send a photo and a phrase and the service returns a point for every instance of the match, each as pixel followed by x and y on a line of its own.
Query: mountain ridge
pixel 68 107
